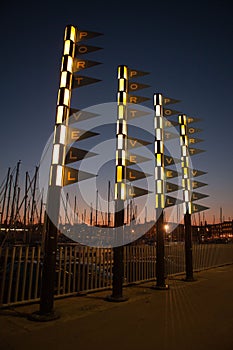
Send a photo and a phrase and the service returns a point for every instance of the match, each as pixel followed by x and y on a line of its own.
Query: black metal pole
pixel 46 311
pixel 188 248
pixel 160 253
pixel 118 256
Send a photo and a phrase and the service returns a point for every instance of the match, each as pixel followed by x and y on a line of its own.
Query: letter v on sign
pixel 168 160
pixel 195 172
pixel 77 115
pixel 133 142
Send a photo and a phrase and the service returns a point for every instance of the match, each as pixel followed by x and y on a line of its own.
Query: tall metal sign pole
pixel 162 175
pixel 160 191
pixel 124 174
pixel 186 184
pixel 60 174
pixel 46 311
pixel 120 185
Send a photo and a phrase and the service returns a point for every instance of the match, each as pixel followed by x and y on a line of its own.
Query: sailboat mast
pixel 5 193
pixel 96 209
pixel 108 204
pixel 33 196
pixel 14 193
pixel 8 199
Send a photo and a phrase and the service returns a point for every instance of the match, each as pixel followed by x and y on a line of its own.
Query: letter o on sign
pixel 167 112
pixel 82 49
pixel 133 86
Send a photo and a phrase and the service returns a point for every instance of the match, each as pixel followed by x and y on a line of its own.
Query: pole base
pixel 189 279
pixel 39 317
pixel 160 287
pixel 119 299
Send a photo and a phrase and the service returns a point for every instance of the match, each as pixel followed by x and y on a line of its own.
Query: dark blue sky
pixel 186 47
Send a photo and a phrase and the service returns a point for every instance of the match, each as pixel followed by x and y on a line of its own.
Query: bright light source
pixel 123 192
pixel 59 176
pixel 159 159
pixel 122 84
pixel 119 173
pixel 56 150
pixel 73 34
pixel 59 118
pixel 120 141
pixel 158 134
pixel 121 111
pixel 62 139
pixel 158 110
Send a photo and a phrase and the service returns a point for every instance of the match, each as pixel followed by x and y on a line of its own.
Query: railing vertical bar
pixel 11 275
pixel 70 268
pixel 92 267
pixel 137 263
pixel 31 273
pixel 38 270
pixel 96 267
pixel 64 271
pixel 79 286
pixel 59 271
pixel 111 264
pixel 74 270
pixel 83 268
pixel 25 271
pixel 4 275
pixel 18 273
pixel 88 267
pixel 125 264
pixel 105 272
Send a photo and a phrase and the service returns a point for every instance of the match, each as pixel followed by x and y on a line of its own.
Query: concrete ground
pixel 188 316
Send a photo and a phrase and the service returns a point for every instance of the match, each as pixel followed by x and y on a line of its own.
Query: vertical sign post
pixel 46 311
pixel 61 175
pixel 187 188
pixel 120 185
pixel 160 191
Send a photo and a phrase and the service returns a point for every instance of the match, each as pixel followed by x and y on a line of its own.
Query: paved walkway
pixel 189 316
